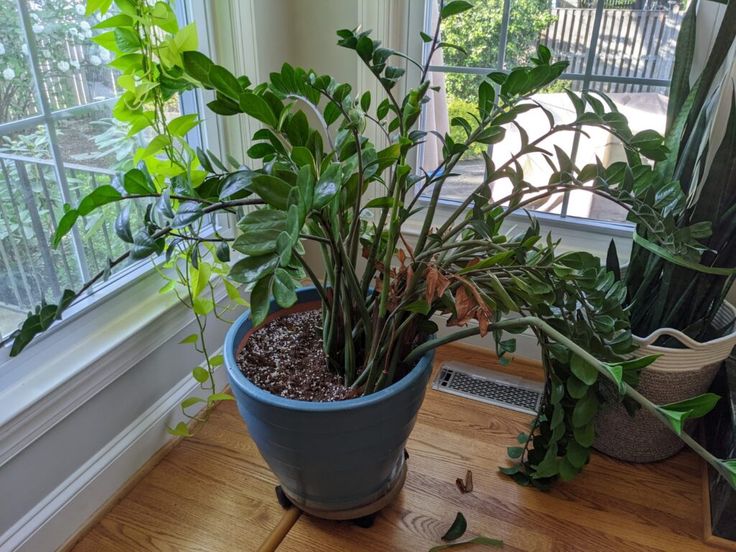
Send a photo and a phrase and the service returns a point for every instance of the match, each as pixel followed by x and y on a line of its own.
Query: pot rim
pixel 253 391
pixel 692 344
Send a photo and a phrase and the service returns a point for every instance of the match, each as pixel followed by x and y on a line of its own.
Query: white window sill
pixel 62 370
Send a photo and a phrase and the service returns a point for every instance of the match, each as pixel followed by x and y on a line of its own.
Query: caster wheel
pixel 284 501
pixel 365 522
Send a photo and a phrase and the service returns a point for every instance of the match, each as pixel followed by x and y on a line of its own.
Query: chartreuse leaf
pixel 457 529
pixel 190 339
pixel 200 374
pixel 217 397
pixel 180 430
pixel 191 401
pixel 677 413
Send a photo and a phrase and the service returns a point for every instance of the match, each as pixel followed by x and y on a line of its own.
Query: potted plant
pixel 677 300
pixel 372 332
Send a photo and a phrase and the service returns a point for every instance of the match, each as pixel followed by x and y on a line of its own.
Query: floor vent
pixel 490 387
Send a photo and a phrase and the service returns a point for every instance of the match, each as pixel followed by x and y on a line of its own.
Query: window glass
pixel 58 141
pixel 630 45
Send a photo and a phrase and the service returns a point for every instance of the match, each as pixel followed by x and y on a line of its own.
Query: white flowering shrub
pixel 69 60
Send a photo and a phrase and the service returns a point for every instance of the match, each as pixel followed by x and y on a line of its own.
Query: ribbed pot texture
pixel 677 375
pixel 329 457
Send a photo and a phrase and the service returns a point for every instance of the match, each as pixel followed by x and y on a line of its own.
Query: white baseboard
pixel 65 510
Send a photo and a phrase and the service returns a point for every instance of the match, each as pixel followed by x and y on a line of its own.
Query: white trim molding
pixel 68 508
pixel 100 350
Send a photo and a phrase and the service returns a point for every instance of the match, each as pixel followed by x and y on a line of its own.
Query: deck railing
pixel 633 43
pixel 31 206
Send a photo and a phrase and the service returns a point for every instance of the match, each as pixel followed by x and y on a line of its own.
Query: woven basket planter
pixel 675 376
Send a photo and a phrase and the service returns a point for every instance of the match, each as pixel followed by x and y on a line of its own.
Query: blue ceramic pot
pixel 330 457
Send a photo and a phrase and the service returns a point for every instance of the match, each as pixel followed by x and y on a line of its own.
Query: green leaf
pixel 577 455
pixel 730 466
pixel 135 182
pixel 197 66
pixel 457 529
pixel 200 374
pixel 181 125
pixel 188 212
pixel 154 146
pixel 455 7
pixel 585 435
pixel 583 370
pixel 515 452
pixel 576 388
pixel 260 300
pixel 217 397
pixel 272 190
pixel 225 82
pixel 251 269
pixel 235 183
pixel 476 540
pixel 486 97
pixel 420 306
pixel 284 289
pixel 65 225
pixel 327 186
pixel 217 360
pixel 97 198
pixel 190 339
pixel 191 401
pixel 127 39
pixel 585 410
pixel 677 413
pixel 258 108
pixel 181 430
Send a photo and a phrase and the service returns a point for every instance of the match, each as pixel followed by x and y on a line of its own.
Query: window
pixel 624 48
pixel 58 141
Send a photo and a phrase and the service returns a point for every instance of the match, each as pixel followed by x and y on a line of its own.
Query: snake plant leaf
pixel 457 529
pixel 677 413
pixel 477 540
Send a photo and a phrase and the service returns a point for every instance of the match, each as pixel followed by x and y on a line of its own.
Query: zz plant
pixel 313 179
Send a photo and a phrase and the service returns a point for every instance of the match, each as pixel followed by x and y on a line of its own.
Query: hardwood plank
pixel 214 492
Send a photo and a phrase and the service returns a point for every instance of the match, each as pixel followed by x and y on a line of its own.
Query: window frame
pixel 570 229
pixel 190 102
pixel 134 281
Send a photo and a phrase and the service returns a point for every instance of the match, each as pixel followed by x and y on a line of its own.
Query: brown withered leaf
pixel 402 256
pixel 467 485
pixel 469 305
pixel 437 284
pixel 464 306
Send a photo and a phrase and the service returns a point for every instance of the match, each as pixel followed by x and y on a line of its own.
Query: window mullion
pixel 504 37
pixel 592 52
pixel 26 25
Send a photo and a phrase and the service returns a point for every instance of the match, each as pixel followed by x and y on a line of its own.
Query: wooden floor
pixel 214 493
